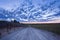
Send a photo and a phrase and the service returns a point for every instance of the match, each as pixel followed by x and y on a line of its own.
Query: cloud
pixel 38 10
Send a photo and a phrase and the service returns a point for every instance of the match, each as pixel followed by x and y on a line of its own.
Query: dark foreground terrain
pixel 17 31
pixel 30 33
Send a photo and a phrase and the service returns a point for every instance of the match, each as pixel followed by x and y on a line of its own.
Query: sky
pixel 9 4
pixel 30 10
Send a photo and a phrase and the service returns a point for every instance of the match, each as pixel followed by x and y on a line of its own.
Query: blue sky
pixel 9 4
pixel 31 10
